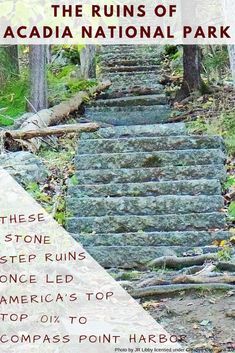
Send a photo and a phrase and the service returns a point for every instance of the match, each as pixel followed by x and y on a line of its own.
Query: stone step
pixel 132 69
pixel 148 205
pixel 119 92
pixel 139 257
pixel 149 160
pixel 194 238
pixel 134 61
pixel 130 57
pixel 141 175
pixel 142 48
pixel 127 116
pixel 120 81
pixel 185 187
pixel 139 76
pixel 137 131
pixel 130 223
pixel 146 100
pixel 149 144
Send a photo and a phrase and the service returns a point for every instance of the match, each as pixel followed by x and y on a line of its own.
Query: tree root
pixel 179 262
pixel 176 288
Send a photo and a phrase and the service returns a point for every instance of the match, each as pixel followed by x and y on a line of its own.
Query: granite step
pixel 146 100
pixel 139 68
pixel 118 92
pixel 153 223
pixel 149 144
pixel 185 187
pixel 121 81
pixel 142 175
pixel 150 76
pixel 130 115
pixel 148 205
pixel 149 160
pixel 126 48
pixel 194 238
pixel 139 257
pixel 137 131
pixel 129 57
pixel 131 62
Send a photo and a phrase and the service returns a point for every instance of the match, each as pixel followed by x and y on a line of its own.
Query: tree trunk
pixel 87 59
pixel 9 63
pixel 38 78
pixel 192 80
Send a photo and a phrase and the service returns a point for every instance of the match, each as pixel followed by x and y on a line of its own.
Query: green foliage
pixel 71 52
pixel 34 189
pixel 225 253
pixel 229 182
pixel 74 180
pixel 231 211
pixel 215 62
pixel 171 51
pixel 224 125
pixel 63 82
pixel 12 99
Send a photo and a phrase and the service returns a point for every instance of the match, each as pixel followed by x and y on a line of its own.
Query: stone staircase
pixel 146 188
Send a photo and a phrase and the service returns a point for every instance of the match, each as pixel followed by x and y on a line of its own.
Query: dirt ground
pixel 206 318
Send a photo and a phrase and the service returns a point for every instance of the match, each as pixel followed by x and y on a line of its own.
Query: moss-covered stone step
pixel 139 76
pixel 130 115
pixel 194 238
pixel 130 223
pixel 125 61
pixel 185 187
pixel 136 68
pixel 149 144
pixel 121 82
pixel 132 100
pixel 141 175
pixel 128 57
pixel 148 205
pixel 129 90
pixel 149 160
pixel 149 130
pixel 130 257
pixel 137 49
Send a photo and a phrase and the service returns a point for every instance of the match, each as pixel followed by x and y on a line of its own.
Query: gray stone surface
pixel 140 175
pixel 137 131
pixel 132 100
pixel 137 256
pixel 149 144
pixel 196 238
pixel 148 205
pixel 130 223
pixel 133 68
pixel 25 167
pixel 126 116
pixel 145 189
pixel 186 187
pixel 149 160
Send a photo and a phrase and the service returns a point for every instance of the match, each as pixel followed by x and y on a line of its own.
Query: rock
pixel 24 167
pixel 18 122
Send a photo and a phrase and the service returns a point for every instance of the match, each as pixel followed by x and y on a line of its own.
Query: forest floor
pixel 205 317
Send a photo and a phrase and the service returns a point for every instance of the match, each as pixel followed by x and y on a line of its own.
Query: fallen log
pixel 57 130
pixel 176 288
pixel 54 115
